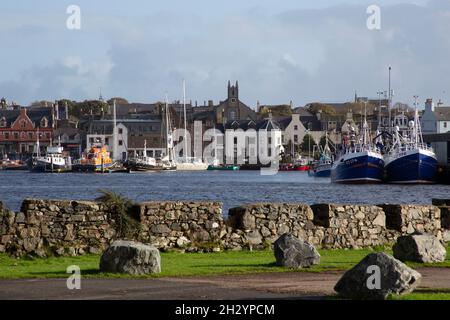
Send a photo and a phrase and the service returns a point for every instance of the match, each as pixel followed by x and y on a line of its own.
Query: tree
pixel 87 107
pixel 317 107
pixel 308 143
pixel 119 101
pixel 277 111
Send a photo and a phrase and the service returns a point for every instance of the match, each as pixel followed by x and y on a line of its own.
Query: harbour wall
pixel 63 227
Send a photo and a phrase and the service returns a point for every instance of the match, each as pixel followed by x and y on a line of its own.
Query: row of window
pixel 23 123
pixel 5 135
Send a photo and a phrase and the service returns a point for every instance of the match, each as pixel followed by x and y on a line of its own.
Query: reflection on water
pixel 231 188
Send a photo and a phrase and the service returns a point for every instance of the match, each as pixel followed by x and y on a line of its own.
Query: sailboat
pixel 410 160
pixel 189 163
pixel 167 162
pixel 360 161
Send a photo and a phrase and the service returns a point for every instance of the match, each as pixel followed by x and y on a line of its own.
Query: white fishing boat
pixel 143 163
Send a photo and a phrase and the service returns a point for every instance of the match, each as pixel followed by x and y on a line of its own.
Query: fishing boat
pixel 7 164
pixel 410 160
pixel 301 164
pixel 322 168
pixel 188 163
pixel 53 161
pixel 143 163
pixel 359 161
pixel 217 166
pixel 96 159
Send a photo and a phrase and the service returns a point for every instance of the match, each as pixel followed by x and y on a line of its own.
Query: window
pixel 295 127
pixel 30 135
pixel 120 142
pixel 107 141
pixel 233 100
pixel 6 135
pixel 91 140
pixel 23 124
pixel 269 140
pixel 16 135
pixel 120 131
pixel 232 115
pixel 3 122
pixel 295 138
pixel 44 122
pixel 445 124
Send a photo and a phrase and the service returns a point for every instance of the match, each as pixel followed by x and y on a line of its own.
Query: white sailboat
pixel 189 163
pixel 167 162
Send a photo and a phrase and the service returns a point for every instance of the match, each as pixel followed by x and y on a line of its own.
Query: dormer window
pixel 44 122
pixel 3 122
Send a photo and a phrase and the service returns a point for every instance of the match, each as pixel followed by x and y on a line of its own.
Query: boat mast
pixel 114 131
pixel 416 123
pixel 38 152
pixel 185 127
pixel 145 148
pixel 168 139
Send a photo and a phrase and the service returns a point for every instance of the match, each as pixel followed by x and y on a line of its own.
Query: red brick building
pixel 19 129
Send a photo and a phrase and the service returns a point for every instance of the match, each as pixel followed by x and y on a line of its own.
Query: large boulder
pixel 131 258
pixel 376 277
pixel 291 252
pixel 418 247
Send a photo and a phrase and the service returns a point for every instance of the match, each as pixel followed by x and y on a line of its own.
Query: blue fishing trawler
pixel 410 160
pixel 360 161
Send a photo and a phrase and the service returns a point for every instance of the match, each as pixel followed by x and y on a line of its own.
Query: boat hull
pixel 223 168
pixel 415 166
pixel 91 168
pixel 191 167
pixel 321 171
pixel 362 167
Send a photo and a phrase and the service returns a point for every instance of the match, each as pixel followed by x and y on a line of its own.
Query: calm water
pixel 231 188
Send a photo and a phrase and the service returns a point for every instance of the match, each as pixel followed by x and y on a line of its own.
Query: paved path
pixel 299 285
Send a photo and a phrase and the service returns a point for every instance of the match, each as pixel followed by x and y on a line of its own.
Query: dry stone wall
pixel 44 227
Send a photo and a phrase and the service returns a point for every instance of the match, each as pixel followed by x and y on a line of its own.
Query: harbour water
pixel 233 188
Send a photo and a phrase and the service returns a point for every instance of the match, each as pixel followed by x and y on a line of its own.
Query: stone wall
pixel 411 218
pixel 50 226
pixel 352 226
pixel 189 225
pixel 259 225
pixel 45 227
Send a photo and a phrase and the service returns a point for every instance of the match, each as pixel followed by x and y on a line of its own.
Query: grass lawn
pixel 184 264
pixel 203 264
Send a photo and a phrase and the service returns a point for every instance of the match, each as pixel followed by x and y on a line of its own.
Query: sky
pixel 279 51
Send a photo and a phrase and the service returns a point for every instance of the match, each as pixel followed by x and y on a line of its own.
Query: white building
pixel 107 138
pixel 435 119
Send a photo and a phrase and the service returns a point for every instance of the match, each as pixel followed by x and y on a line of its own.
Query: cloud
pixel 300 54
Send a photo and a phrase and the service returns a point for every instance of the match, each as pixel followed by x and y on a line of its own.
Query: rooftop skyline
pixel 319 51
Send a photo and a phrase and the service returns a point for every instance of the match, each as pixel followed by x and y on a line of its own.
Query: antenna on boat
pixel 114 131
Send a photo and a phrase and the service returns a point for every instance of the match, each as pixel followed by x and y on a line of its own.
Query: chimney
pixel 429 105
pixel 56 106
pixel 66 106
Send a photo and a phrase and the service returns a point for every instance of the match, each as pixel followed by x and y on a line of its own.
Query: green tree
pixel 308 143
pixel 317 107
pixel 119 101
